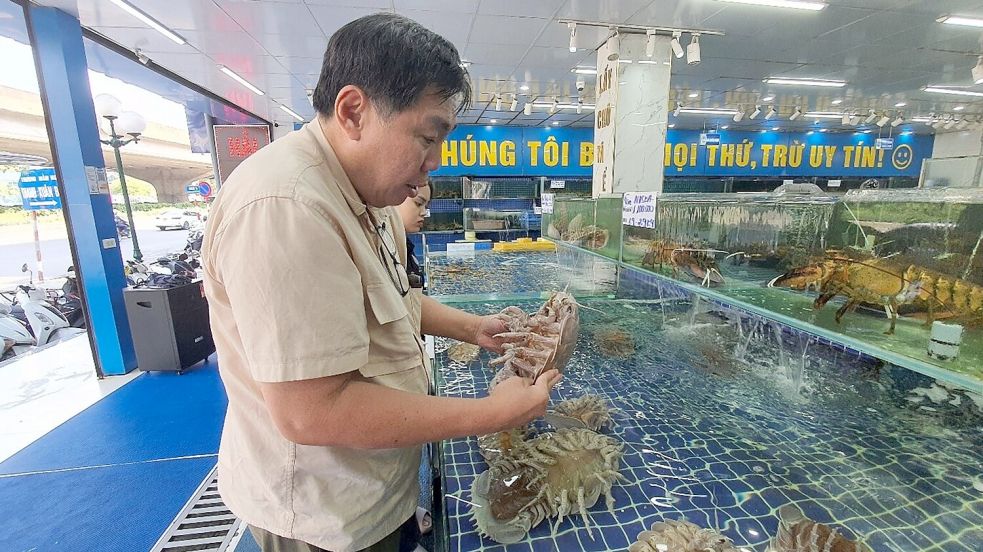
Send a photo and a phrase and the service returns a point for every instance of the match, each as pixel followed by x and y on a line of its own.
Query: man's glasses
pixel 387 253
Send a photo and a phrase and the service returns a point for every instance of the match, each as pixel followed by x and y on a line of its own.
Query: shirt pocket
pixel 393 345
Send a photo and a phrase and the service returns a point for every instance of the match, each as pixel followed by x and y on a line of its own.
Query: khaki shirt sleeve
pixel 294 291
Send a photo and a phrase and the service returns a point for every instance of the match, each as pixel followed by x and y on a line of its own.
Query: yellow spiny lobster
pixel 886 283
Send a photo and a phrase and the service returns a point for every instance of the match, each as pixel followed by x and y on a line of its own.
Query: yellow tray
pixel 524 244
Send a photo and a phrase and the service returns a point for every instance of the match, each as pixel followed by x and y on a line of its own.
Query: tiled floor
pixel 42 390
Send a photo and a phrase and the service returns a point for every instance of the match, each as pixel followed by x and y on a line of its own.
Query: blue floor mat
pixel 157 415
pixel 111 509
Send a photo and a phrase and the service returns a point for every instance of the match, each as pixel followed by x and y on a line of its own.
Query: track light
pixel 515 103
pixel 898 120
pixel 650 43
pixel 739 115
pixel 962 124
pixel 677 48
pixel 846 118
pixel 693 50
pixel 796 113
pixel 854 119
pixel 614 46
pixel 771 113
pixel 675 112
pixel 573 37
pixel 498 102
pixel 555 107
pixel 580 106
pixel 871 115
pixel 937 123
pixel 527 109
pixel 950 123
pixel 755 113
pixel 885 119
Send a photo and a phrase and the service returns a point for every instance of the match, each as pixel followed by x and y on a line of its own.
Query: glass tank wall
pixel 872 269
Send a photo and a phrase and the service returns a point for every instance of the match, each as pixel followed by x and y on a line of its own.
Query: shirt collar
pixel 337 171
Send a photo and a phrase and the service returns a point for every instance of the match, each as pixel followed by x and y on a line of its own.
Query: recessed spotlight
pixel 493 121
pixel 556 123
pixel 900 104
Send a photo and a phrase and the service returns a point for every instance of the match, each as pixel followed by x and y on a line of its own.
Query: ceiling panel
pixel 524 8
pixel 615 11
pixel 330 18
pixel 457 6
pixel 497 29
pixel 267 18
pixel 290 45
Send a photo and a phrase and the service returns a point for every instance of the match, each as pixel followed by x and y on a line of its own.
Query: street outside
pixel 17 248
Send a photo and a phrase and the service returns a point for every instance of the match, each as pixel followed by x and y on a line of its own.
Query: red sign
pixel 234 143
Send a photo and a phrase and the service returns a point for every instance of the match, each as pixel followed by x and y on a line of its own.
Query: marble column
pixel 631 115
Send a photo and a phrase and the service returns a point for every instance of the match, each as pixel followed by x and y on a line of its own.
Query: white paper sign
pixel 833 183
pixel 103 180
pixel 537 210
pixel 788 182
pixel 548 203
pixel 638 209
pixel 92 178
pixel 558 184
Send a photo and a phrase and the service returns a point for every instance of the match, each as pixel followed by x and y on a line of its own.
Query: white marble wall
pixel 642 115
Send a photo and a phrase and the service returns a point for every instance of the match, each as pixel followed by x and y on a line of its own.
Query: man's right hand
pixel 518 402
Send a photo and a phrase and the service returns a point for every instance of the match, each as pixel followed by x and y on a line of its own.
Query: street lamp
pixel 121 124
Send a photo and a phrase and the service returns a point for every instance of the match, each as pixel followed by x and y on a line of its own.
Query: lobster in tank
pixel 887 284
pixel 698 263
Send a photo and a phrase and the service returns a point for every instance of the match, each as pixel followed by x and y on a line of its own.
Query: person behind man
pixel 309 303
pixel 412 212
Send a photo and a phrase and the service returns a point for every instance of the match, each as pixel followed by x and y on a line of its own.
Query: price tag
pixel 638 209
pixel 548 203
pixel 833 183
pixel 537 210
pixel 558 184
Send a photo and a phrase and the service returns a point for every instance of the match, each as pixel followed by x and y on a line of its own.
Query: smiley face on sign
pixel 902 156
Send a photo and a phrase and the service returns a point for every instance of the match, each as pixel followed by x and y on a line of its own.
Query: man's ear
pixel 351 110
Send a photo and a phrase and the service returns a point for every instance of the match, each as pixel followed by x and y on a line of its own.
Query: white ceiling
pixel 886 50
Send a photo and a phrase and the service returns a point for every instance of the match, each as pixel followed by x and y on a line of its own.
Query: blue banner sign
pixel 39 190
pixel 525 151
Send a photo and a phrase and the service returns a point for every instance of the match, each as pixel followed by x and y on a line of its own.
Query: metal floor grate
pixel 203 524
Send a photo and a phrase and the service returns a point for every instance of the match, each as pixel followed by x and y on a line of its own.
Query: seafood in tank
pixel 615 342
pixel 797 533
pixel 463 352
pixel 589 411
pixel 554 475
pixel 681 536
pixel 698 263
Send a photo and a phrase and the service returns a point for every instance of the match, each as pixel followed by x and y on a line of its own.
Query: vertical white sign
pixel 547 201
pixel 638 209
pixel 604 128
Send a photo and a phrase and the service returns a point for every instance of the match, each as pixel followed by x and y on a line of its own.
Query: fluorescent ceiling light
pixel 524 88
pixel 836 102
pixel 793 4
pixel 823 115
pixel 624 60
pixel 956 20
pixel 900 104
pixel 959 108
pixel 806 82
pixel 563 105
pixel 708 111
pixel 585 71
pixel 240 80
pixel 556 123
pixel 922 119
pixel 493 121
pixel 953 91
pixel 150 21
pixel 291 112
pixel 768 98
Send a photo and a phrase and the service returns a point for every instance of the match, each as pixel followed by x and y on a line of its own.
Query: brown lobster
pixel 885 283
pixel 699 263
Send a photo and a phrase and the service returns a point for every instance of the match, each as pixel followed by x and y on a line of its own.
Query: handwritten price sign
pixel 638 209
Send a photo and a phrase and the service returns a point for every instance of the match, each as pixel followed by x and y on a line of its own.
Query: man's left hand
pixel 487 328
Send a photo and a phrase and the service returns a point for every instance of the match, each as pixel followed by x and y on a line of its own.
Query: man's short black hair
pixel 394 59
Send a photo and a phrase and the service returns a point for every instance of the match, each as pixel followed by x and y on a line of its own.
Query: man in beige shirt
pixel 309 301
